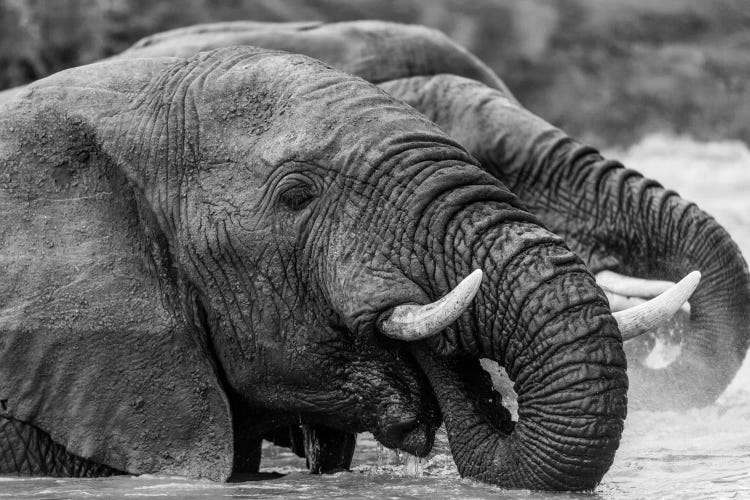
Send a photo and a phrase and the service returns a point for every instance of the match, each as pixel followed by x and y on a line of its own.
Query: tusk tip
pixel 468 287
pixel 693 278
pixel 687 285
pixel 474 280
pixel 641 318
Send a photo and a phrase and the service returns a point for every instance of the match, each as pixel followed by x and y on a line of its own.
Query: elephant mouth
pixel 412 435
pixel 471 387
pixel 409 427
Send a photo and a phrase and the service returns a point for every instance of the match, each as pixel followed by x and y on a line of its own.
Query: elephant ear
pixel 96 347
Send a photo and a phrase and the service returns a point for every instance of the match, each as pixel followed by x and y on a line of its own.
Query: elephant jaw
pixel 410 435
pixel 408 429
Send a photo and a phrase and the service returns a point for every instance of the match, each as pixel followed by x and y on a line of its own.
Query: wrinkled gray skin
pixel 610 216
pixel 195 254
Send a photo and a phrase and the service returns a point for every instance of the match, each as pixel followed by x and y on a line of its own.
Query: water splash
pixel 399 462
pixel 413 465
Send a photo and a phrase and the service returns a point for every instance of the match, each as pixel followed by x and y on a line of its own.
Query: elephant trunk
pixel 651 232
pixel 615 220
pixel 539 314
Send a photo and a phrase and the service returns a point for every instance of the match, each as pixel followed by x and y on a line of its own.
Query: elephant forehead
pixel 286 107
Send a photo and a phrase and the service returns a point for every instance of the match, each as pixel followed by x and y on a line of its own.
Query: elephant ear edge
pixel 91 352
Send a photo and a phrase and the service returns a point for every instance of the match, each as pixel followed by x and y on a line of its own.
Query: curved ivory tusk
pixel 644 317
pixel 628 286
pixel 412 322
pixel 619 302
pixel 624 291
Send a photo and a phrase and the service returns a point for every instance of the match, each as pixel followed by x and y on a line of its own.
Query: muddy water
pixel 696 454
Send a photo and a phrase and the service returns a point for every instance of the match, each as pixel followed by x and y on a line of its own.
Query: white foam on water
pixel 413 466
pixel 182 485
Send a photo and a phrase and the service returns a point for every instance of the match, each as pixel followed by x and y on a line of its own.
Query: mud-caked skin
pixel 612 217
pixel 196 252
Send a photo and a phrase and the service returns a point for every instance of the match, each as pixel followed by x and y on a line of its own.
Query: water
pixel 701 453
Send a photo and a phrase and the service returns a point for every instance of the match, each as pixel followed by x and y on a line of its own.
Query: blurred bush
pixel 606 70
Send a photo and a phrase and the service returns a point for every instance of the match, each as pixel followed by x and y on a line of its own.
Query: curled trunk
pixel 539 314
pixel 644 230
pixel 615 219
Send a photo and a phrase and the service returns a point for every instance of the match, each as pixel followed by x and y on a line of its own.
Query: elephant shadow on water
pixel 205 249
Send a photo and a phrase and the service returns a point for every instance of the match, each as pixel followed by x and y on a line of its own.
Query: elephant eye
pixel 297 198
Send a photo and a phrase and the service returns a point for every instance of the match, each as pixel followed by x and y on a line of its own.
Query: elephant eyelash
pixel 297 198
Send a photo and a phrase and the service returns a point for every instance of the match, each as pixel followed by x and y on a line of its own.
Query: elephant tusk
pixel 619 302
pixel 644 317
pixel 624 291
pixel 619 284
pixel 411 322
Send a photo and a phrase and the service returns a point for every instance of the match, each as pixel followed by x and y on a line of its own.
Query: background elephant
pixel 612 217
pixel 186 241
pixel 679 66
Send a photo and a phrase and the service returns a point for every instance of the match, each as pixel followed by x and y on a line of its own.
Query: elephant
pixel 634 235
pixel 200 251
pixel 188 239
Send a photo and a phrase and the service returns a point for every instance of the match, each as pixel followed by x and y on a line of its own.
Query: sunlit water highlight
pixel 702 453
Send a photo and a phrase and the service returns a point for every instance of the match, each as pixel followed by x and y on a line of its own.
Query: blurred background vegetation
pixel 608 71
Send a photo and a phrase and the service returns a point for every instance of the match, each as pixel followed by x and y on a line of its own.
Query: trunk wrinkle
pixel 540 315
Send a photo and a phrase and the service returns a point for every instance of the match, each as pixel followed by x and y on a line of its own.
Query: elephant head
pixel 612 217
pixel 199 250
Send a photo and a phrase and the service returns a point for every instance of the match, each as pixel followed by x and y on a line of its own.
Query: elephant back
pixel 377 51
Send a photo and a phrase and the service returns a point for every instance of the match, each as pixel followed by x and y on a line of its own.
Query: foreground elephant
pixel 612 217
pixel 196 252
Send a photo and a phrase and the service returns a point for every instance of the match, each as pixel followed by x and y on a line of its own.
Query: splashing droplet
pixel 380 454
pixel 413 466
